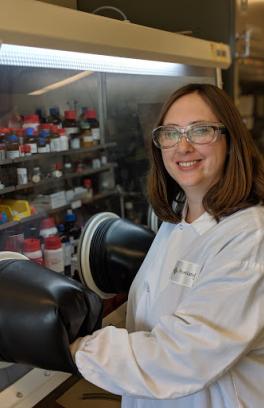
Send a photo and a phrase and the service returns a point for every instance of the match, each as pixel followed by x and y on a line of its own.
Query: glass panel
pixel 83 176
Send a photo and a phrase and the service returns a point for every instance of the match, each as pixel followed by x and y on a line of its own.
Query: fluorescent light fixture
pixel 60 84
pixel 18 55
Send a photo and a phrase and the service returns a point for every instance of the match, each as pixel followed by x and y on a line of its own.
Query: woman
pixel 195 314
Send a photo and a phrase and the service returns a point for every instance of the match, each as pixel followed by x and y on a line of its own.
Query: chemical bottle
pixel 14 121
pixel 88 184
pixel 31 232
pixel 44 134
pixel 64 140
pixel 70 123
pixel 72 229
pixel 31 139
pixel 41 145
pixel 2 145
pixel 90 116
pixel 3 217
pixel 32 250
pixel 53 254
pixel 41 115
pixel 36 175
pixel 67 249
pixel 47 229
pixel 12 147
pixel 22 175
pixel 55 142
pixel 31 121
pixel 54 116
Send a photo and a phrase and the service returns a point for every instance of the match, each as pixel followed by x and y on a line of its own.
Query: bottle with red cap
pixel 64 141
pixel 91 117
pixel 32 250
pixel 47 228
pixel 53 254
pixel 31 121
pixel 55 141
pixel 70 122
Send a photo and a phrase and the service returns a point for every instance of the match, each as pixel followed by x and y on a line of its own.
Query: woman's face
pixel 194 167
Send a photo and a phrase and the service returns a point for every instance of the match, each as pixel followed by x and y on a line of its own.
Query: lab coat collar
pixel 201 224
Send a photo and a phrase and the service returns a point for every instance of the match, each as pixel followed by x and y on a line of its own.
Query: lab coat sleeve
pixel 217 323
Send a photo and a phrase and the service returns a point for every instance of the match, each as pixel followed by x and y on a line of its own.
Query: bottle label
pixel 33 147
pixel 54 260
pixel 22 177
pixel 96 134
pixel 2 154
pixel 75 143
pixel 12 154
pixel 68 250
pixel 70 130
pixel 55 145
pixel 64 141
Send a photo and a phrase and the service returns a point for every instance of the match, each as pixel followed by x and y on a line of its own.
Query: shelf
pixel 42 214
pixel 42 156
pixel 53 180
pixel 7 190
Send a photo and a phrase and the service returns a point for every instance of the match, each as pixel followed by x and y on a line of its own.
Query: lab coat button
pixel 181 226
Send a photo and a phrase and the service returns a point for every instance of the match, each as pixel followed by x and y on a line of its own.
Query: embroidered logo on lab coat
pixel 185 273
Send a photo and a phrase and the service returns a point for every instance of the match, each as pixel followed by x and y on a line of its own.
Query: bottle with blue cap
pixel 31 139
pixel 72 229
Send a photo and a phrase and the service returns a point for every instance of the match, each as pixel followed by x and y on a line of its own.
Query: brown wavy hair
pixel 242 182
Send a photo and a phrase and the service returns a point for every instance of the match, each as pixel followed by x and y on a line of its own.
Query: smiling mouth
pixel 187 163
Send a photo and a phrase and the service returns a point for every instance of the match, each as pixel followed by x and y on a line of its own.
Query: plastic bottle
pixel 53 254
pixel 90 116
pixel 32 250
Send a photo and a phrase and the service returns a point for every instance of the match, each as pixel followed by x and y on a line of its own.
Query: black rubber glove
pixel 41 313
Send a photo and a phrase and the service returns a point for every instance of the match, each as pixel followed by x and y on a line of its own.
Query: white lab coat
pixel 195 321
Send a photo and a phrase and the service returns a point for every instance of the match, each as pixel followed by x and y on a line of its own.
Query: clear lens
pixel 165 137
pixel 201 134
